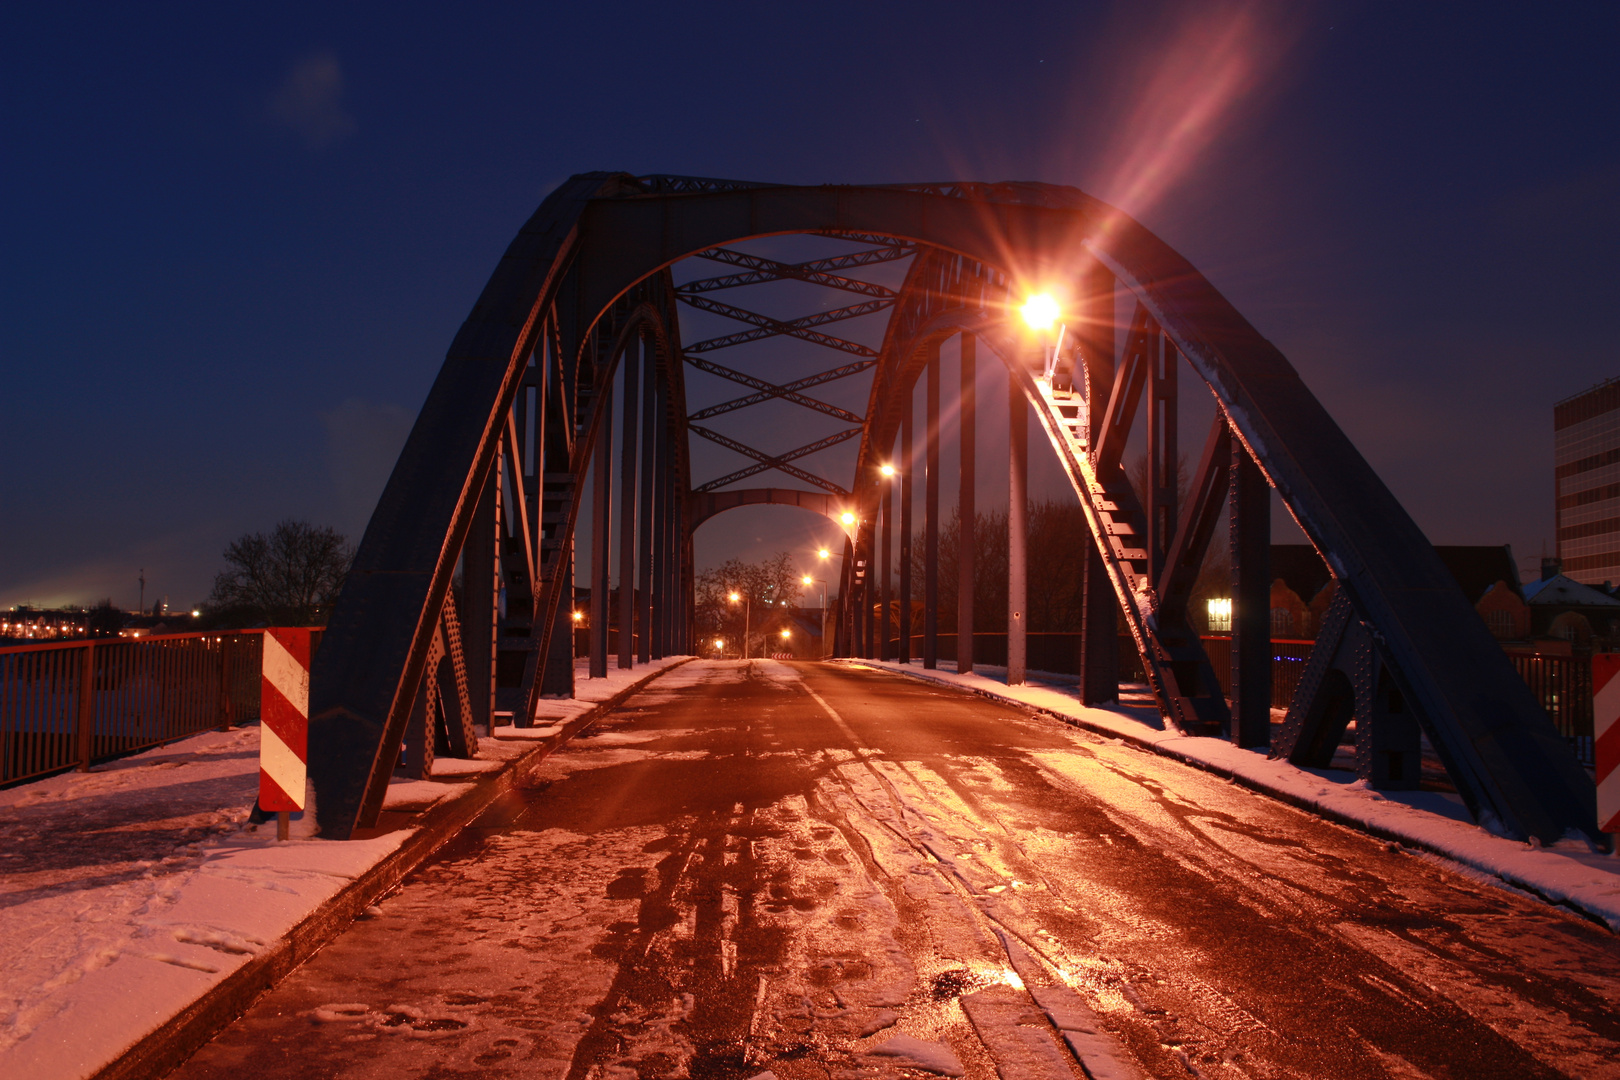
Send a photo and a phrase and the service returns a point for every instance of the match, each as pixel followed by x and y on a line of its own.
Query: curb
pixel 183 1034
pixel 1260 787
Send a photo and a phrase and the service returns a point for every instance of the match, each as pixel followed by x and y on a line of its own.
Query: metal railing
pixel 73 703
pixel 1563 684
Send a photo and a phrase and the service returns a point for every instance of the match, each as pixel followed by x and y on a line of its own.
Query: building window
pixel 1219 614
pixel 1282 622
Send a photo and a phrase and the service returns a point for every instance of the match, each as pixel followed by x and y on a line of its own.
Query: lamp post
pixel 807 580
pixel 1041 312
pixel 748 611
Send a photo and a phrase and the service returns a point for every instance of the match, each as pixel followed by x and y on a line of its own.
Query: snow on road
pixel 1569 871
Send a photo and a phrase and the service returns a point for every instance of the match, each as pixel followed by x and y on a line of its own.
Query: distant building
pixel 1486 574
pixel 1566 609
pixel 1586 483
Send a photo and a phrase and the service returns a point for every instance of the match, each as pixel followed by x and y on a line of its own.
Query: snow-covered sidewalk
pixel 132 891
pixel 1568 873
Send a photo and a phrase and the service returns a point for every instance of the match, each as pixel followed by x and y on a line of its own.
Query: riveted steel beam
pixel 801 328
pixel 767 391
pixel 816 271
pixel 773 461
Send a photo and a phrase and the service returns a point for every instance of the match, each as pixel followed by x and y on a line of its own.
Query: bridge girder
pixel 584 261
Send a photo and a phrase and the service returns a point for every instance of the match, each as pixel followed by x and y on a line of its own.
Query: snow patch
pixel 917 1054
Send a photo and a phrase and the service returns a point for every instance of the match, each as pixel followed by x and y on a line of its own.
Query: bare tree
pixel 772 588
pixel 289 578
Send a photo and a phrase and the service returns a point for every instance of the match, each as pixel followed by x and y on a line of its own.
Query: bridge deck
pixel 790 867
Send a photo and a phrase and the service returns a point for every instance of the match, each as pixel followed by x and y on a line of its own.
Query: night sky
pixel 239 238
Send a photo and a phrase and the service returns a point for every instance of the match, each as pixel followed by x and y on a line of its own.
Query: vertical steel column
pixel 1017 508
pixel 1099 626
pixel 1250 538
pixel 644 524
pixel 627 503
pixel 1164 466
pixel 863 624
pixel 931 516
pixel 688 576
pixel 966 514
pixel 869 591
pixel 480 577
pixel 663 508
pixel 557 677
pixel 885 562
pixel 601 535
pixel 906 462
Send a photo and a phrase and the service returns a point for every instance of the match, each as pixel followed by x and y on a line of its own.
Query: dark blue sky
pixel 238 238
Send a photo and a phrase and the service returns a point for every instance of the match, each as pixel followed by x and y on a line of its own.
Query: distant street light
pixel 847 518
pixel 748 612
pixel 886 469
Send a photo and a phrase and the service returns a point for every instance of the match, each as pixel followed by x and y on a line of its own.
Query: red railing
pixel 72 703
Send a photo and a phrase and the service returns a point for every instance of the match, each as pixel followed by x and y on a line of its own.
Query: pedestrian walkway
pixel 134 891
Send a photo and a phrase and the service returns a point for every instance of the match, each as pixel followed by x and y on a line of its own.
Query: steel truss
pixel 492 476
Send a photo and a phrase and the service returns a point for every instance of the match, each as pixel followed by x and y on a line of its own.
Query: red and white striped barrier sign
pixel 1606 732
pixel 284 719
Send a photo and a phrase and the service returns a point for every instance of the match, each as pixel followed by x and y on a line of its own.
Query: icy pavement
pixel 132 890
pixel 1570 872
pixel 808 871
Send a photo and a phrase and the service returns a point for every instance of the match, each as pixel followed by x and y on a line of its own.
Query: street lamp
pixel 748 611
pixel 886 469
pixel 1041 312
pixel 719 643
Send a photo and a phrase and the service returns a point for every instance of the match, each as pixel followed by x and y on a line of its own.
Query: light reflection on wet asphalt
pixel 826 872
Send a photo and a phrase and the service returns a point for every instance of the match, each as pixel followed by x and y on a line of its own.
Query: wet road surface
pixel 830 872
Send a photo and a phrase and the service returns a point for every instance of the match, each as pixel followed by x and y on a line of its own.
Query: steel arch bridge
pixel 489 486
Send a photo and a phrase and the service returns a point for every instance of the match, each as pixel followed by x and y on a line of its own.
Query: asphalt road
pixel 830 872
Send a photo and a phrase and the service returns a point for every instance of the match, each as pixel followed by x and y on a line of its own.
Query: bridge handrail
pixel 70 704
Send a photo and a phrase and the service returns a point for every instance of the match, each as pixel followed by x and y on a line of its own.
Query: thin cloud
pixel 310 101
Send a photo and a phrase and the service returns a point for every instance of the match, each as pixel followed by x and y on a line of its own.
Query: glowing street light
pixel 1041 311
pixel 886 469
pixel 847 518
pixel 579 616
pixel 786 633
pixel 806 580
pixel 823 553
pixel 748 614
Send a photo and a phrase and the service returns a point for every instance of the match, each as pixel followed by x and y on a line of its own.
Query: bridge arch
pixel 589 276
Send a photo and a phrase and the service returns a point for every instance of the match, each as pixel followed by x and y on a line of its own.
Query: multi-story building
pixel 1586 457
